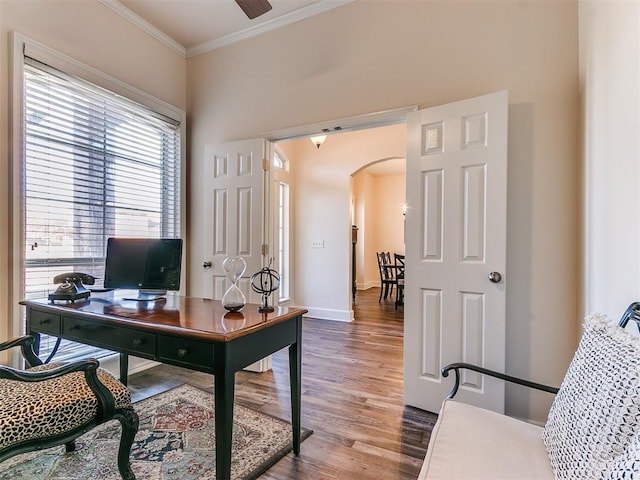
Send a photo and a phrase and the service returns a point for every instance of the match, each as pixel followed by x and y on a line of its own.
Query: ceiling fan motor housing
pixel 254 8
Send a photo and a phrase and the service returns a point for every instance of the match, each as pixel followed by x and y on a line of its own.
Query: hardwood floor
pixel 351 398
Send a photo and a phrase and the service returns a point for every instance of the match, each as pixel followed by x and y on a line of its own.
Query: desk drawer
pixel 121 339
pixel 188 352
pixel 44 322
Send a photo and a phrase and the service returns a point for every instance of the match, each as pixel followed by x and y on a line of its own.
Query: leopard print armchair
pixel 52 404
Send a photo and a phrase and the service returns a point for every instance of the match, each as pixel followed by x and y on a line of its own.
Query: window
pixel 283 239
pixel 280 160
pixel 96 165
pixel 281 182
pixel 277 161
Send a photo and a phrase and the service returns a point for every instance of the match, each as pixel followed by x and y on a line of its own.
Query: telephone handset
pixel 75 277
pixel 72 286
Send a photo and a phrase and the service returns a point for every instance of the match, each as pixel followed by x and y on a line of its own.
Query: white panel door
pixel 456 237
pixel 235 202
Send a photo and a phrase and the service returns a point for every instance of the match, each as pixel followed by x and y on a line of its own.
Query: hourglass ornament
pixel 233 299
pixel 264 282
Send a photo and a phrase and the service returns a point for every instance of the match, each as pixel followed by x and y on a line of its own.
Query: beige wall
pixel 90 33
pixel 389 221
pixel 362 197
pixel 372 56
pixel 610 86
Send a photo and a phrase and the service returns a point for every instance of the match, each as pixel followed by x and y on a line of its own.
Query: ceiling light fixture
pixel 318 140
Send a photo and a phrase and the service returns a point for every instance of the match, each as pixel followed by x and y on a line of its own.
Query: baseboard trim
pixel 328 314
pixel 136 364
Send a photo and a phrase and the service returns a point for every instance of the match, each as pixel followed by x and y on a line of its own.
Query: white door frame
pixel 359 122
pixel 340 125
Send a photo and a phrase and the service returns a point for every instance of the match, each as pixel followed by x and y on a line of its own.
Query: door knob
pixel 206 264
pixel 495 277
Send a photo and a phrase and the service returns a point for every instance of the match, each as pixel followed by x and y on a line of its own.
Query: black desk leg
pixel 224 393
pixel 295 377
pixel 124 368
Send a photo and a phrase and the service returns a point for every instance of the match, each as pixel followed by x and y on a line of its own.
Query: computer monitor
pixel 152 265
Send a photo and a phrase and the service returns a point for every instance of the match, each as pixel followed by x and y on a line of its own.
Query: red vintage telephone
pixel 72 286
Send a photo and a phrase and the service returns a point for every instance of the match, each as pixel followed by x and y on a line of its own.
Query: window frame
pixel 21 46
pixel 282 237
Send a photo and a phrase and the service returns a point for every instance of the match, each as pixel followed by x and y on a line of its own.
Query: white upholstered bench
pixel 593 428
pixel 473 443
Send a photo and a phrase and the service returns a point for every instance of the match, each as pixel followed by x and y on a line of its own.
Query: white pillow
pixel 597 410
pixel 627 467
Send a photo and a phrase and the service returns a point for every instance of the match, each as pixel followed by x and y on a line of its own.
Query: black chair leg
pixel 70 446
pixel 129 421
pixel 399 297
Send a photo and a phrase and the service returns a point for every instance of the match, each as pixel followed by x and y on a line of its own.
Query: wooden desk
pixel 188 332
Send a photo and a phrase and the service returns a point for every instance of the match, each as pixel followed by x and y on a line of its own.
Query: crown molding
pixel 281 21
pixel 145 26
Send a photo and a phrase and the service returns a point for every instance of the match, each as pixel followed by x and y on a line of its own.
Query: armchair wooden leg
pixel 129 421
pixel 70 446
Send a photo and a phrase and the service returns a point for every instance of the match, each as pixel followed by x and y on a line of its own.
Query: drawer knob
pixel 182 352
pixel 137 341
pixel 74 327
pixel 44 321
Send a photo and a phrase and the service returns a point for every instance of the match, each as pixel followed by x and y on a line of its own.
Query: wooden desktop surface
pixel 192 317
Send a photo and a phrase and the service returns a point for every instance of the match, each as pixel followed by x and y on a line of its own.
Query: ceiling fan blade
pixel 254 8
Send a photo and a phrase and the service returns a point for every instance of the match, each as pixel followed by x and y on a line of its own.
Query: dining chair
pixel 398 261
pixel 387 275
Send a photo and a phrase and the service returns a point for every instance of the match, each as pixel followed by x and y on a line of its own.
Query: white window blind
pixel 97 165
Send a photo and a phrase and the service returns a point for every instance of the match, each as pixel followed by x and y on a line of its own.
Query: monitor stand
pixel 147 296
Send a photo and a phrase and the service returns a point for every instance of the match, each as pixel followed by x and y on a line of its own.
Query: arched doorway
pixel 377 209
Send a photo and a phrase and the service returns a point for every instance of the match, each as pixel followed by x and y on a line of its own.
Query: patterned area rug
pixel 175 441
